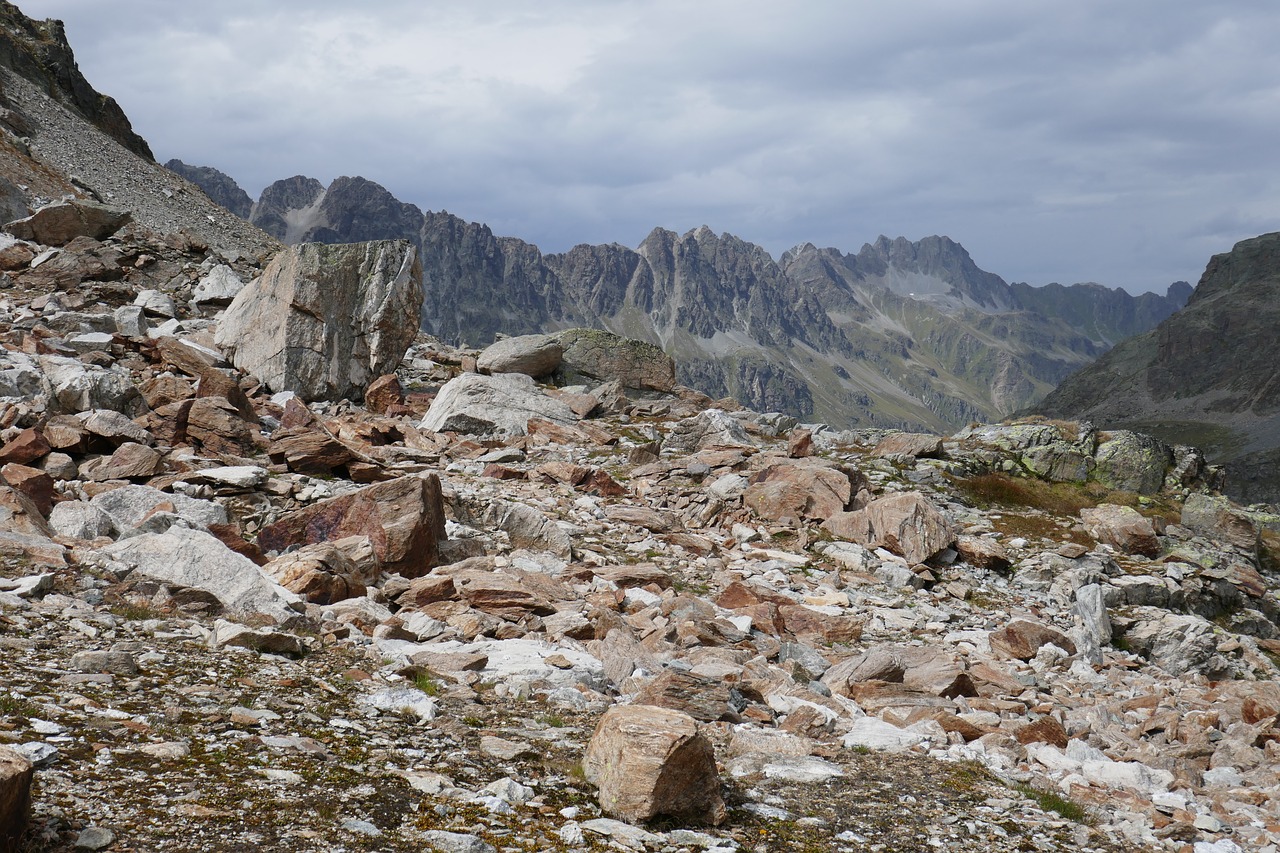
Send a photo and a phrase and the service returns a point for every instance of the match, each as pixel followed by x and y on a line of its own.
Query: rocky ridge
pixel 1205 375
pixel 1023 635
pixel 902 334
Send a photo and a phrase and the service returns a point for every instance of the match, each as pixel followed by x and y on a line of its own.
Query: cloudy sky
pixel 1089 140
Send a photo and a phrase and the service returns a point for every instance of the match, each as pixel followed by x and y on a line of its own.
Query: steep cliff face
pixel 38 50
pixel 1208 375
pixel 901 334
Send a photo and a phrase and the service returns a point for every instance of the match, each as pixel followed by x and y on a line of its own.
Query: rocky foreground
pixel 278 575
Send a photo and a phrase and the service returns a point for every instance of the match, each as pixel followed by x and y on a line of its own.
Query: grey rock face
pixel 492 405
pixel 128 506
pixel 218 186
pixel 323 321
pixel 60 223
pixel 532 355
pixel 607 357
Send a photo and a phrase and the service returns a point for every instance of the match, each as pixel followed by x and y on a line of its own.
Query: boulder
pixel 80 520
pixel 800 491
pixel 1123 528
pixel 906 524
pixel 650 761
pixel 1176 643
pixel 79 387
pixel 321 573
pixel 403 518
pixel 1218 517
pixel 218 286
pixel 129 506
pixel 383 394
pixel 712 428
pixel 532 355
pixel 196 560
pixel 500 405
pixel 59 223
pixel 609 357
pixel 1132 462
pixel 25 447
pixel 1021 639
pixel 909 444
pixel 324 320
pixel 32 482
pixel 16 773
pixel 700 696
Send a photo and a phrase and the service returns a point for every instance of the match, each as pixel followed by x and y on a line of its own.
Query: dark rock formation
pixel 218 186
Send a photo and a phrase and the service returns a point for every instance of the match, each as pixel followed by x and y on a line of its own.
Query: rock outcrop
pixel 324 321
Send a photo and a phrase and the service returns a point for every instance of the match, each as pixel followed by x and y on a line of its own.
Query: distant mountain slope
pixel 901 334
pixel 1208 375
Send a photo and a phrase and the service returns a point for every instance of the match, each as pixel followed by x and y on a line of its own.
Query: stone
pixel 24 448
pixel 323 321
pixel 114 427
pixel 800 491
pixel 61 222
pixel 1132 462
pixel 608 357
pixel 1021 639
pixel 195 559
pixel 129 506
pixel 921 445
pixel 648 762
pixel 1218 517
pixel 156 303
pixel 129 461
pixel 321 573
pixel 95 838
pixel 1123 528
pixel 32 482
pixel 263 640
pixel 500 405
pixel 532 355
pixel 712 428
pixel 528 528
pixel 219 286
pixel 1045 729
pixel 115 662
pixel 1177 643
pixel 701 697
pixel 16 773
pixel 383 394
pixel 906 524
pixel 79 387
pixel 403 518
pixel 877 734
pixel 80 520
pixel 982 552
pixel 309 451
pixel 456 842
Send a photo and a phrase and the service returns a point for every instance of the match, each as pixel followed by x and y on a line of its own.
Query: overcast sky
pixel 1088 140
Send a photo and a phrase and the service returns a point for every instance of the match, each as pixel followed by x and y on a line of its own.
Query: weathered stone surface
pixel 982 552
pixel 16 773
pixel 323 321
pixel 532 355
pixel 528 528
pixel 114 427
pixel 217 287
pixel 195 559
pixel 27 446
pixel 1021 639
pixel 80 387
pixel 1132 461
pixel 1177 643
pixel 59 223
pixel 403 518
pixel 32 482
pixel 129 506
pixel 80 520
pixel 383 393
pixel 1216 516
pixel 701 697
pixel 711 428
pixel 308 451
pixel 650 761
pixel 909 444
pixel 321 573
pixel 129 461
pixel 906 524
pixel 608 357
pixel 799 491
pixel 1123 528
pixel 919 668
pixel 493 405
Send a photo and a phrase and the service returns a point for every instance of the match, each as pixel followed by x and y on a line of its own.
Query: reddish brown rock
pixel 27 446
pixel 982 552
pixel 321 573
pixel 639 574
pixel 403 518
pixel 599 482
pixel 502 472
pixel 501 595
pixel 66 432
pixel 130 461
pixel 909 444
pixel 1123 528
pixel 800 443
pixel 906 524
pixel 701 697
pixel 163 390
pixel 230 535
pixel 814 626
pixel 562 472
pixel 215 383
pixel 1021 639
pixel 16 773
pixel 650 761
pixel 799 490
pixel 428 589
pixel 383 393
pixel 307 450
pixel 1044 730
pixel 657 522
pixel 32 482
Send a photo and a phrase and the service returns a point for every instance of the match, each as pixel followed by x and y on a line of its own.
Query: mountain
pixel 901 334
pixel 219 187
pixel 1208 375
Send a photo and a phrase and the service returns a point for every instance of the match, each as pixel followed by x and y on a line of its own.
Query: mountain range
pixel 901 334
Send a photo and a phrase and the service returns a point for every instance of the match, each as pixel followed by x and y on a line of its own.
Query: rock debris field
pixel 374 593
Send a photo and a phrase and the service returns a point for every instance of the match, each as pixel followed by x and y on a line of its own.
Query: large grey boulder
pixel 129 506
pixel 906 523
pixel 712 428
pixel 195 559
pixel 59 223
pixel 1212 515
pixel 1132 461
pixel 79 387
pixel 606 356
pixel 493 405
pixel 323 320
pixel 532 355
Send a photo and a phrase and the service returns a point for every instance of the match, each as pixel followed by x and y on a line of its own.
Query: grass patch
pixel 427 683
pixel 133 611
pixel 1050 802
